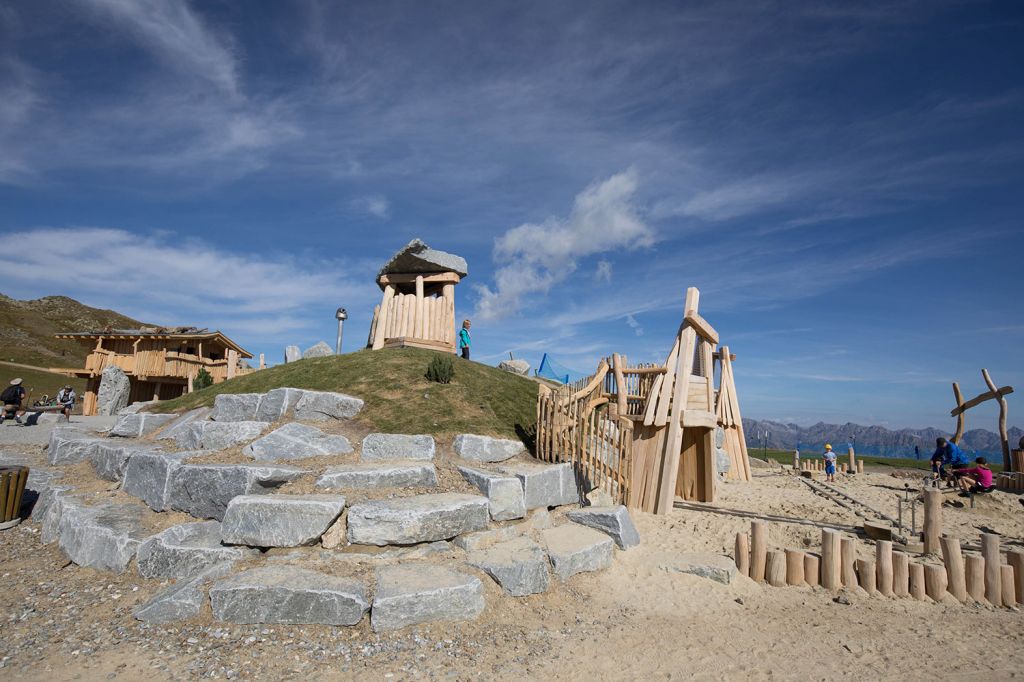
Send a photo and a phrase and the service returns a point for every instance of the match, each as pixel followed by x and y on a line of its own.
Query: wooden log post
pixel 830 559
pixel 263 361
pixel 866 571
pixel 883 563
pixel 1015 558
pixel 900 574
pixel 954 561
pixel 776 568
pixel 758 550
pixel 418 310
pixel 386 313
pixel 932 528
pixel 975 577
pixel 1006 574
pixel 742 554
pixel 935 581
pixel 849 560
pixel 993 580
pixel 853 459
pixel 795 567
pixel 860 466
pixel 811 569
pixel 917 590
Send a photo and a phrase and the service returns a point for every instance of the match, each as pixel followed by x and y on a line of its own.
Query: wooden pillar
pixel 758 549
pixel 811 569
pixel 849 559
pixel 191 377
pixel 620 385
pixel 917 590
pixel 900 574
pixel 794 567
pixel 932 520
pixel 1003 437
pixel 418 327
pixel 866 571
pixel 860 466
pixel 263 361
pixel 448 296
pixel 883 562
pixel 993 581
pixel 975 573
pixel 232 363
pixel 156 390
pixel 935 581
pixel 852 458
pixel 776 568
pixel 830 559
pixel 1016 559
pixel 742 554
pixel 385 315
pixel 954 561
pixel 1006 574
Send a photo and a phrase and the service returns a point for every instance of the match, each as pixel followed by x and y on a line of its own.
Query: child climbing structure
pixel 647 434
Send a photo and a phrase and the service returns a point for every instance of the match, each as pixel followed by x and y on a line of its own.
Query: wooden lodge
pixel 161 363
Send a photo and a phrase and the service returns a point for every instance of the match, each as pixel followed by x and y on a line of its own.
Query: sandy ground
pixel 641 619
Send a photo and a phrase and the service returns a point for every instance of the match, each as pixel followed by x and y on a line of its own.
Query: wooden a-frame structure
pixel 993 393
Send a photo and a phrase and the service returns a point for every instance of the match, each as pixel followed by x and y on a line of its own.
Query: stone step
pixel 397 446
pixel 289 595
pixel 420 518
pixel 205 435
pixel 182 600
pixel 412 595
pixel 104 536
pixel 140 424
pixel 544 485
pixel 376 475
pixel 539 520
pixel 518 565
pixel 279 520
pixel 613 521
pixel 236 407
pixel 109 459
pixel 486 449
pixel 204 490
pixel 186 550
pixel 147 476
pixel 180 425
pixel 504 493
pixel 70 446
pixel 573 549
pixel 296 441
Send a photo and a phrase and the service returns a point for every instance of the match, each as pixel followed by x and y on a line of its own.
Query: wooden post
pixel 849 558
pixel 883 562
pixel 1003 436
pixel 954 560
pixel 1006 574
pixel 811 568
pixel 993 581
pixel 860 466
pixel 900 574
pixel 1016 559
pixel 975 572
pixel 674 438
pixel 385 314
pixel 742 554
pixel 935 581
pixel 263 361
pixel 917 590
pixel 776 569
pixel 932 520
pixel 156 390
pixel 232 363
pixel 866 571
pixel 794 567
pixel 796 459
pixel 621 391
pixel 853 459
pixel 417 330
pixel 758 549
pixel 830 559
pixel 190 389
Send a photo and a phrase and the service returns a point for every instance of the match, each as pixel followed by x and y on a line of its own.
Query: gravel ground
pixel 12 433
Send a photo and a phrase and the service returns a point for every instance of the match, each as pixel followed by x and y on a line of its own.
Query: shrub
pixel 202 380
pixel 441 369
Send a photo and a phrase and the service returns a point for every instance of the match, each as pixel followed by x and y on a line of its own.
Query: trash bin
pixel 12 489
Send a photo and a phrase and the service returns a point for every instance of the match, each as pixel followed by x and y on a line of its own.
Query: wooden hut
pixel 418 303
pixel 161 363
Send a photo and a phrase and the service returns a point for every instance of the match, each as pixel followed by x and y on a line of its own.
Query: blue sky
pixel 841 180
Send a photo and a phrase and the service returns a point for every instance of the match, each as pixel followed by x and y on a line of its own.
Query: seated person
pixel 947 457
pixel 13 398
pixel 66 399
pixel 976 479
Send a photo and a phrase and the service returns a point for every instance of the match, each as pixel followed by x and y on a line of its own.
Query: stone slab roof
pixel 418 258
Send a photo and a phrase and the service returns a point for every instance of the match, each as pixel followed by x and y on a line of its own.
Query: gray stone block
pixel 105 537
pixel 147 476
pixel 520 367
pixel 205 435
pixel 236 407
pixel 182 600
pixel 539 520
pixel 292 353
pixel 504 493
pixel 109 460
pixel 389 446
pixel 285 594
pixel 421 518
pixel 179 427
pixel 519 566
pixel 545 485
pixel 277 404
pixel 204 490
pixel 318 350
pixel 296 441
pixel 613 521
pixel 114 391
pixel 140 424
pixel 717 567
pixel 186 550
pixel 485 449
pixel 576 549
pixel 279 520
pixel 321 406
pixel 49 518
pixel 412 595
pixel 69 446
pixel 376 475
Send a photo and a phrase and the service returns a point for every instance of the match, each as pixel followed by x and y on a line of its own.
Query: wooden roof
pixel 163 334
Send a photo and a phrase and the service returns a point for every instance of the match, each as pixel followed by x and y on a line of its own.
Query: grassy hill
pixel 27 329
pixel 399 399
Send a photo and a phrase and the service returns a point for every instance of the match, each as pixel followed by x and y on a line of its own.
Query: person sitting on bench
pixel 947 457
pixel 977 479
pixel 12 398
pixel 66 399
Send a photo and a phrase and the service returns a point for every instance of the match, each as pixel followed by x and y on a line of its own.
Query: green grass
pixel 786 457
pixel 37 382
pixel 398 397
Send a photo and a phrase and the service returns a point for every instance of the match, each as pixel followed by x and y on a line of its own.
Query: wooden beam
pixel 718 356
pixel 434 278
pixel 621 391
pixel 702 327
pixel 979 399
pixel 1003 436
pixel 385 313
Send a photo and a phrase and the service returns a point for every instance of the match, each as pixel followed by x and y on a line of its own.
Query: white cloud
pixel 377 206
pixel 603 273
pixel 634 325
pixel 535 257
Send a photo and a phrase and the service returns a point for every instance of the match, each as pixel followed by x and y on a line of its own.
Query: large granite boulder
pixel 412 595
pixel 545 485
pixel 70 446
pixel 114 391
pixel 296 441
pixel 504 493
pixel 182 600
pixel 539 520
pixel 277 403
pixel 388 446
pixel 518 565
pixel 321 406
pixel 285 594
pixel 180 426
pixel 418 258
pixel 147 476
pixel 421 518
pixel 486 449
pixel 575 549
pixel 292 353
pixel 110 459
pixel 377 475
pixel 204 490
pixel 236 407
pixel 279 520
pixel 186 550
pixel 613 521
pixel 520 367
pixel 320 350
pixel 204 435
pixel 105 537
pixel 140 424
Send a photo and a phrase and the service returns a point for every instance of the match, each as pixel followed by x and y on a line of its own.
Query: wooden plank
pixel 674 439
pixel 667 384
pixel 708 363
pixel 702 327
pixel 699 419
pixel 620 384
pixel 979 399
pixel 432 278
pixel 418 312
pixel 385 312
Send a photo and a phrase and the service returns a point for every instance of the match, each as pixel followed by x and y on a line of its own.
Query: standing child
pixel 830 463
pixel 464 339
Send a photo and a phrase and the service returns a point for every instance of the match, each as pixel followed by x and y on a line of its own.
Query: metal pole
pixel 337 349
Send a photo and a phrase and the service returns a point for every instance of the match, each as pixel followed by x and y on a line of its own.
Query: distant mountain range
pixel 869 440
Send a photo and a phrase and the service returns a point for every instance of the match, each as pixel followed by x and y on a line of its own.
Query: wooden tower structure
pixel 417 307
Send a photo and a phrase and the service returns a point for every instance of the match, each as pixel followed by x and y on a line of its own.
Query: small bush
pixel 441 369
pixel 202 380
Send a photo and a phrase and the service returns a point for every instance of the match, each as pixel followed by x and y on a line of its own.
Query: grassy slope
pixel 786 457
pixel 399 399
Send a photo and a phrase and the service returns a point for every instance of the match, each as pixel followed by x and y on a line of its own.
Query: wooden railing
pixel 161 363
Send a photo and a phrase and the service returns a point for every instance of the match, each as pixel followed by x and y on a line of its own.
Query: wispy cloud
pixel 603 272
pixel 377 206
pixel 634 325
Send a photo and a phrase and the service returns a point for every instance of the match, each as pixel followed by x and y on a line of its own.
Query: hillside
pixel 27 329
pixel 399 399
